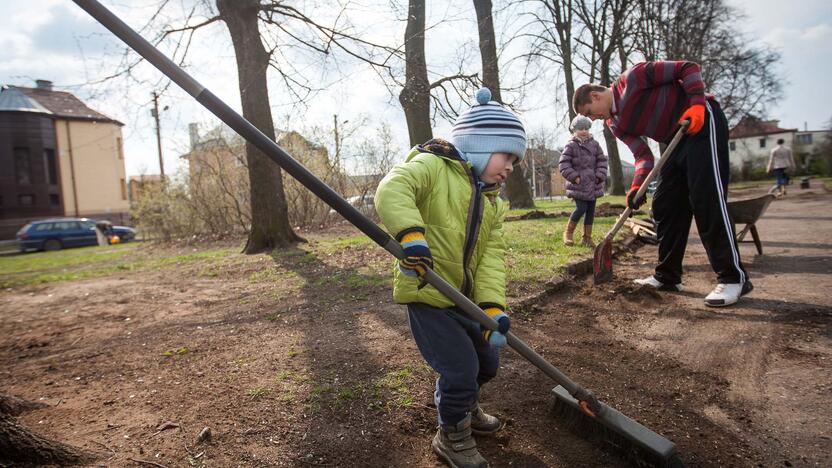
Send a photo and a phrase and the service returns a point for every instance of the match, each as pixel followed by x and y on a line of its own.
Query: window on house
pixel 762 142
pixel 123 190
pixel 51 166
pixel 805 139
pixel 26 199
pixel 733 145
pixel 119 148
pixel 54 200
pixel 22 166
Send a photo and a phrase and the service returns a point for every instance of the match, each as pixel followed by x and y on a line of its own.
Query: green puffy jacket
pixel 434 191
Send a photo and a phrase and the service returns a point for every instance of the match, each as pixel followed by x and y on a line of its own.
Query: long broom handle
pixel 650 176
pixel 248 131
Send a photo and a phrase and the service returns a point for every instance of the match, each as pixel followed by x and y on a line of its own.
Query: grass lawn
pixel 535 254
pixel 95 261
pixel 565 204
pixel 536 251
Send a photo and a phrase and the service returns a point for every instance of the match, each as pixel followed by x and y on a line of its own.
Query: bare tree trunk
pixel 616 174
pixel 19 445
pixel 270 226
pixel 415 96
pixel 518 190
pixel 488 49
pixel 606 23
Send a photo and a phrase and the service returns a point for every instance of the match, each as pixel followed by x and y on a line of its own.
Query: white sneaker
pixel 652 281
pixel 725 294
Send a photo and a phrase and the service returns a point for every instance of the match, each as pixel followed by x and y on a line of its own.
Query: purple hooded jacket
pixel 584 159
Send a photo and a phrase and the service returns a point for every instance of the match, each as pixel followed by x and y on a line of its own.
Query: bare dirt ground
pixel 302 360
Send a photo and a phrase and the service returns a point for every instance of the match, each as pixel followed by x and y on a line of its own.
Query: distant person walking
pixel 781 161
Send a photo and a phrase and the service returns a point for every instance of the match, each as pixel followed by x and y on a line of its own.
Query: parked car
pixel 60 233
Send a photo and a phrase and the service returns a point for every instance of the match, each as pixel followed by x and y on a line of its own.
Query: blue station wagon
pixel 60 233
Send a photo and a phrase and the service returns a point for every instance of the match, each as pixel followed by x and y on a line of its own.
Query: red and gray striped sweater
pixel 648 100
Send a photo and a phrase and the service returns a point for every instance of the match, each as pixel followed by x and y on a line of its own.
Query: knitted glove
pixel 417 258
pixel 496 337
pixel 696 115
pixel 631 198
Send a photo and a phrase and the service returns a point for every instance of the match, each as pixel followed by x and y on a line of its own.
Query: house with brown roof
pixel 750 142
pixel 58 157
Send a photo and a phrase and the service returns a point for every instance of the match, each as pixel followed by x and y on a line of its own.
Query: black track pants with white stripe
pixel 694 185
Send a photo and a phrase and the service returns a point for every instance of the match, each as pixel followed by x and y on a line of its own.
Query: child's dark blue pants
pixel 454 347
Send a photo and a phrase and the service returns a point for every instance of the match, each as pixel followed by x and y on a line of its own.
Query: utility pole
pixel 534 176
pixel 155 113
pixel 337 144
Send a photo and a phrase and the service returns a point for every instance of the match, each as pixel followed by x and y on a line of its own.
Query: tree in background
pixel 518 190
pixel 739 71
pixel 415 94
pixel 267 35
pixel 270 226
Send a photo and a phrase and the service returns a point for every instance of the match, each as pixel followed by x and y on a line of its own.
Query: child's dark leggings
pixel 583 207
pixel 454 347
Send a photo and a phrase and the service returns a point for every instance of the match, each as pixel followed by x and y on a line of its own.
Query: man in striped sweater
pixel 649 100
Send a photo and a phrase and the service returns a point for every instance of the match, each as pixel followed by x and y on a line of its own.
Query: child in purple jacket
pixel 584 166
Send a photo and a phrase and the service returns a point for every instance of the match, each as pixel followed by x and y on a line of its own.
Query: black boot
pixel 456 446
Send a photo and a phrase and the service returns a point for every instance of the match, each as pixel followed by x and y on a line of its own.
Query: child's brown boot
pixel 483 423
pixel 456 446
pixel 587 240
pixel 569 232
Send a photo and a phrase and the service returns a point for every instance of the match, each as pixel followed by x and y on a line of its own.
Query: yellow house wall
pixel 98 167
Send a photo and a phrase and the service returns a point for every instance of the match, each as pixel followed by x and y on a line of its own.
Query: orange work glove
pixel 696 115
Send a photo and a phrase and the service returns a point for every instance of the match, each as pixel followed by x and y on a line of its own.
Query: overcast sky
pixel 56 40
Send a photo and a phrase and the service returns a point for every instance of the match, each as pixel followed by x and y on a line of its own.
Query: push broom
pixel 602 255
pixel 570 397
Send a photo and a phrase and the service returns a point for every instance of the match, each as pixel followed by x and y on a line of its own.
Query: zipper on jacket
pixel 472 227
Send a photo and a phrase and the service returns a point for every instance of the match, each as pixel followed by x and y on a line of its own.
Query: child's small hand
pixel 417 257
pixel 497 337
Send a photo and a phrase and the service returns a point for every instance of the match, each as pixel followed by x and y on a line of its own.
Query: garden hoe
pixel 602 256
pixel 625 433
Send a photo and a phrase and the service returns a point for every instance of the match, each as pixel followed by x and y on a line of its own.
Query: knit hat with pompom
pixel 488 127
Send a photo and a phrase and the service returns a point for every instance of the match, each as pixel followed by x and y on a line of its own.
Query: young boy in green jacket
pixel 442 205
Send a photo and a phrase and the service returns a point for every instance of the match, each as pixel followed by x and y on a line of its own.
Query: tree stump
pixel 20 445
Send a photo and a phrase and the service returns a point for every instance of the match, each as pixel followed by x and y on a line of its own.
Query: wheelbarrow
pixel 748 212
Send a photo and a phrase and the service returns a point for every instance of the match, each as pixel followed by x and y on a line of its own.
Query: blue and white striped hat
pixel 488 128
